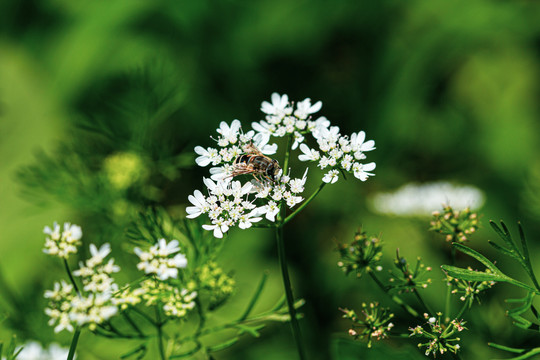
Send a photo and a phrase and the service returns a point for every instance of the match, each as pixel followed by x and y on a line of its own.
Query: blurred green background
pixel 449 90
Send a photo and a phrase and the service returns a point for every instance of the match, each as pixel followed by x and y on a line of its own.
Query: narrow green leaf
pixel 140 348
pixel 506 348
pixel 503 250
pixel 279 304
pixel 224 345
pixel 527 303
pixel 471 275
pixel 253 330
pixel 505 235
pixel 526 259
pixel 475 254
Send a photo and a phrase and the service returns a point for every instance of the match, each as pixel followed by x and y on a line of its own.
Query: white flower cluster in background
pixel 100 297
pixel 32 350
pixel 422 199
pixel 63 243
pixel 157 259
pixel 228 203
pixel 68 309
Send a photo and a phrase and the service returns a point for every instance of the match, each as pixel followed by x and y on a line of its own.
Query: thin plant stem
pixel 288 292
pixel 73 345
pixel 283 262
pixel 304 204
pixel 421 301
pixel 287 153
pixel 447 305
pixel 71 277
pixel 394 298
pixel 159 326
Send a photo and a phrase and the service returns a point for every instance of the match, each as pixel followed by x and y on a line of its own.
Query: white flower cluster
pixel 228 203
pixel 95 275
pixel 100 297
pixel 64 243
pixel 336 152
pixel 422 199
pixel 232 143
pixel 157 259
pixel 32 350
pixel 66 308
pixel 282 119
pixel 339 153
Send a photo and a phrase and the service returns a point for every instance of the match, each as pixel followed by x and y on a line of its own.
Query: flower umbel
pixel 361 255
pixel 68 310
pixel 64 243
pixel 456 225
pixel 375 324
pixel 407 279
pixel 440 337
pixel 157 260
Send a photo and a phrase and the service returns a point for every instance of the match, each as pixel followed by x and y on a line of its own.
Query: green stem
pixel 73 345
pixel 421 301
pixel 394 298
pixel 159 326
pixel 288 292
pixel 71 277
pixel 304 204
pixel 254 298
pixel 287 154
pixel 461 311
pixel 448 304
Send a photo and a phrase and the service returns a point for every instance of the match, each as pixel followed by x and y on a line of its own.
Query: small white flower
pixel 298 138
pixel 157 259
pixel 222 173
pixel 304 108
pixel 229 133
pixel 207 156
pixel 219 229
pixel 271 210
pixel 98 254
pixel 278 106
pixel 331 177
pixel 200 206
pixel 247 220
pixel 358 144
pixel 361 171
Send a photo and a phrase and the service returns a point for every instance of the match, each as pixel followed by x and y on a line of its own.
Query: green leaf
pixel 503 250
pixel 506 348
pixel 527 303
pixel 252 330
pixel 505 235
pixel 467 250
pixel 223 345
pixel 472 275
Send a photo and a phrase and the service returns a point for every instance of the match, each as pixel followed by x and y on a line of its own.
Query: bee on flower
pixel 230 201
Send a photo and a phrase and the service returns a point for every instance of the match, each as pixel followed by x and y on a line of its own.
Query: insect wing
pixel 241 169
pixel 251 149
